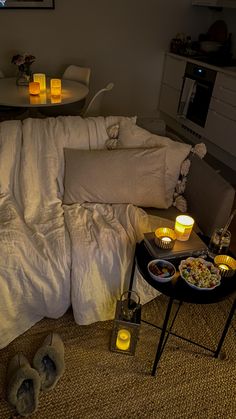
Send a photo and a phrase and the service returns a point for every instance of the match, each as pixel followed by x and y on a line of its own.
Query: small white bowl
pixel 161 270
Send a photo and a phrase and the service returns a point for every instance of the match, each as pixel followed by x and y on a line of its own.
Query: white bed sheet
pixel 45 264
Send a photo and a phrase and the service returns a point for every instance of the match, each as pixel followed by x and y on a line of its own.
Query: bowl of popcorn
pixel 199 273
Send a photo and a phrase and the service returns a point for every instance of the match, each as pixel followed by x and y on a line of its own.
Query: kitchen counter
pixel 231 71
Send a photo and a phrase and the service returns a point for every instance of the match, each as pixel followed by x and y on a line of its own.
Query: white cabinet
pixel 220 127
pixel 174 69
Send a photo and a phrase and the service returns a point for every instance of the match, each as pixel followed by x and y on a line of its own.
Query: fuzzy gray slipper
pixel 49 361
pixel 23 385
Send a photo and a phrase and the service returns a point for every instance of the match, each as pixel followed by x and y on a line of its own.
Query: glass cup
pixel 219 244
pixel 129 304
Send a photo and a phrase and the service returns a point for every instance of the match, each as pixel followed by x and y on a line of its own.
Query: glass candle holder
pixel 55 85
pixel 165 237
pixel 41 79
pixel 219 244
pixel 34 88
pixel 183 227
pixel 129 304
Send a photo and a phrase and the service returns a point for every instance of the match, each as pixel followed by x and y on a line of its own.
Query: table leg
pixel 160 344
pixel 132 272
pixel 226 328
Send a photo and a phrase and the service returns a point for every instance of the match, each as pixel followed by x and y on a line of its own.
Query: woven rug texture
pixel 100 384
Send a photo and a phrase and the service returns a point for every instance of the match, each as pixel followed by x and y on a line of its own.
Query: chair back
pixel 77 73
pixel 1 74
pixel 94 106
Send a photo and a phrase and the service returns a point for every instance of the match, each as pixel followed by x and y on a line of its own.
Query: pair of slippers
pixel 24 382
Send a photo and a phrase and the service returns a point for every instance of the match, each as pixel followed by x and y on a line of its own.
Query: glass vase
pixel 23 78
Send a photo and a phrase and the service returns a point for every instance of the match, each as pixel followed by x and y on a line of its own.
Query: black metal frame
pixel 22 4
pixel 166 332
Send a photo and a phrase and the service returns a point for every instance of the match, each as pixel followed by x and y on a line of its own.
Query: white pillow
pixel 133 176
pixel 132 136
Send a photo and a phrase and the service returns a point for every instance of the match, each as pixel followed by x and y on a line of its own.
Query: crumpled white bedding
pixel 103 239
pixel 52 255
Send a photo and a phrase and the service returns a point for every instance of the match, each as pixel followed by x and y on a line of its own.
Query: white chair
pixel 77 73
pixel 94 106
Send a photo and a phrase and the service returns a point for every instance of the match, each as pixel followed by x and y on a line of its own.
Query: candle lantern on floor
pixel 126 324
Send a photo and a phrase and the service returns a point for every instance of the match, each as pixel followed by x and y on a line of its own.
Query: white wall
pixel 121 40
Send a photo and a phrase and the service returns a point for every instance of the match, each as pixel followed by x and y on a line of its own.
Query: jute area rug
pixel 99 383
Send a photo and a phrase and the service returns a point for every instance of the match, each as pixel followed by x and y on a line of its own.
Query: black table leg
pixel 160 344
pixel 132 272
pixel 226 328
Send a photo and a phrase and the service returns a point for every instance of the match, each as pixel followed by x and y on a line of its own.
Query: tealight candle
pixel 123 339
pixel 223 266
pixel 166 239
pixel 41 79
pixel 34 88
pixel 55 85
pixel 183 227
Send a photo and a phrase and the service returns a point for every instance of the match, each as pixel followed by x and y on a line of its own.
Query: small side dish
pixel 161 270
pixel 199 273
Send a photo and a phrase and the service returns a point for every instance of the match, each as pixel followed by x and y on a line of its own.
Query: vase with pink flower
pixel 23 62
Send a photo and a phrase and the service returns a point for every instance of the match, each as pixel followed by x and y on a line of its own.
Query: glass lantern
pixel 126 324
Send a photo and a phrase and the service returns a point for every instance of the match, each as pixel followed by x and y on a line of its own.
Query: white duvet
pixel 52 255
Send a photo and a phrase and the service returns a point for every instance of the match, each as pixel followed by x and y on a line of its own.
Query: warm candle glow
pixel 166 239
pixel 123 339
pixel 223 266
pixel 55 85
pixel 34 88
pixel 41 79
pixel 183 227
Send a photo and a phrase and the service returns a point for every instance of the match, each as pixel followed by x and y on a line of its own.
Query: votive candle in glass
pixel 123 339
pixel 183 227
pixel 55 85
pixel 41 79
pixel 34 88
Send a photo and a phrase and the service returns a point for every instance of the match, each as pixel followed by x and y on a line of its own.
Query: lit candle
pixel 223 266
pixel 55 85
pixel 166 239
pixel 41 79
pixel 123 339
pixel 183 227
pixel 34 88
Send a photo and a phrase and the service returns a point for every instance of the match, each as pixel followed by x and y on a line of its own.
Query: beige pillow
pixel 133 176
pixel 132 136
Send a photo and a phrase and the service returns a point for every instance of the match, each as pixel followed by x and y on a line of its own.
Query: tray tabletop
pixel 179 289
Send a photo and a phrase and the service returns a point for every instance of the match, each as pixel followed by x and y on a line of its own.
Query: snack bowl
pixel 200 274
pixel 161 270
pixel 226 265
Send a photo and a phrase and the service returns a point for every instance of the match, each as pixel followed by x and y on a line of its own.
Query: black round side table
pixel 179 290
